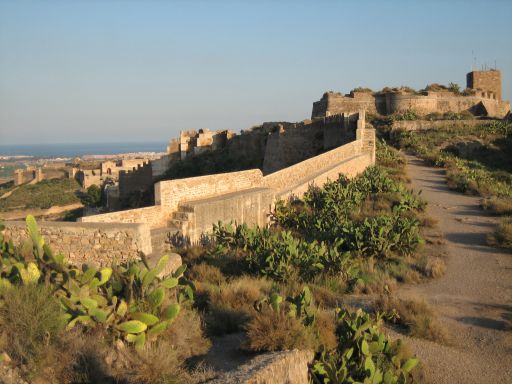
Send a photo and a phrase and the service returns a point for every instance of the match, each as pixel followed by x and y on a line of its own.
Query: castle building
pixel 482 98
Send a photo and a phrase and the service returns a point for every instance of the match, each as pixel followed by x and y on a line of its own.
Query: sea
pixel 71 150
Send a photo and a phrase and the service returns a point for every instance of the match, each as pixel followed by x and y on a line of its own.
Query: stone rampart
pixel 155 216
pixel 251 207
pixel 96 243
pixel 170 193
pixel 283 179
pixel 349 167
pixel 396 102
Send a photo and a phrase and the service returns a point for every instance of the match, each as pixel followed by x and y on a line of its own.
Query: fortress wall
pixel 350 167
pixel 138 180
pixel 160 166
pixel 283 179
pixel 250 144
pixel 155 216
pixel 332 104
pixel 95 243
pixel 170 193
pixel 249 206
pixel 337 104
pixel 286 147
pixel 429 104
pixel 339 129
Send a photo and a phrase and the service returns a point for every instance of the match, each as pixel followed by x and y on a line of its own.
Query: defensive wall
pixel 170 193
pixel 97 243
pixel 189 207
pixel 482 98
pixel 37 174
pixel 193 205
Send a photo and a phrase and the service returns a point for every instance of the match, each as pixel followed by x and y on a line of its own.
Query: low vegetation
pixel 45 194
pixel 414 317
pixel 125 312
pixel 502 235
pixel 282 287
pixel 477 159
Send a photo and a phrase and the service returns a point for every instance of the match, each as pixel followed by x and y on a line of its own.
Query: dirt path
pixel 473 300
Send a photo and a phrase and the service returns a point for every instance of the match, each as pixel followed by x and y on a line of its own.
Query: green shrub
pixel 502 235
pixel 129 302
pixel 363 354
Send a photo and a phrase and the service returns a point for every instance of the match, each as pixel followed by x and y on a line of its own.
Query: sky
pixel 139 71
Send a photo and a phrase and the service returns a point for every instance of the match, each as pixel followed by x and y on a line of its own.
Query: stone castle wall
pixel 335 103
pixel 288 177
pixel 290 145
pixel 95 243
pixel 170 193
pixel 250 206
pixel 139 179
pixel 487 81
pixel 155 216
pixel 485 86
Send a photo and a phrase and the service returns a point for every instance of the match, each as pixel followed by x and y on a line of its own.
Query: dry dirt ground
pixel 473 300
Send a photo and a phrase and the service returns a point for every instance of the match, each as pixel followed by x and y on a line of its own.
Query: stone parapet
pixel 155 216
pixel 171 193
pixel 96 243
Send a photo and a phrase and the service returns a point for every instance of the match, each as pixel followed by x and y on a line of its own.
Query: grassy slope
pixel 47 193
pixel 477 160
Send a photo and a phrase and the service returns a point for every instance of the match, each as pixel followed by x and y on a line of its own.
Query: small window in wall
pixel 109 171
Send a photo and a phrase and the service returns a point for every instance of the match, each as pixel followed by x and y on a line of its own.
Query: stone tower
pixel 488 82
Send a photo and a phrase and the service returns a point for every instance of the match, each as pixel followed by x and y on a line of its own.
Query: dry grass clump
pixel 415 316
pixel 242 292
pixel 432 267
pixel 325 322
pixel 156 363
pixel 275 331
pixel 373 280
pixel 324 296
pixel 500 206
pixel 186 335
pixel 204 272
pixel 502 235
pixel 230 305
pixel 427 221
pixel 32 321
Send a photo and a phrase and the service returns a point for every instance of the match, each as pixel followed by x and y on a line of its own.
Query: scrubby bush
pixel 502 235
pixel 414 316
pixel 127 306
pixel 32 320
pixel 363 354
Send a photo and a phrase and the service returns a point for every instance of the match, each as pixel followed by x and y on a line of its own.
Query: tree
pixel 93 196
pixel 455 88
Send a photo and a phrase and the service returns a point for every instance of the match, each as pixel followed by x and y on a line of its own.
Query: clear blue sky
pixel 89 71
